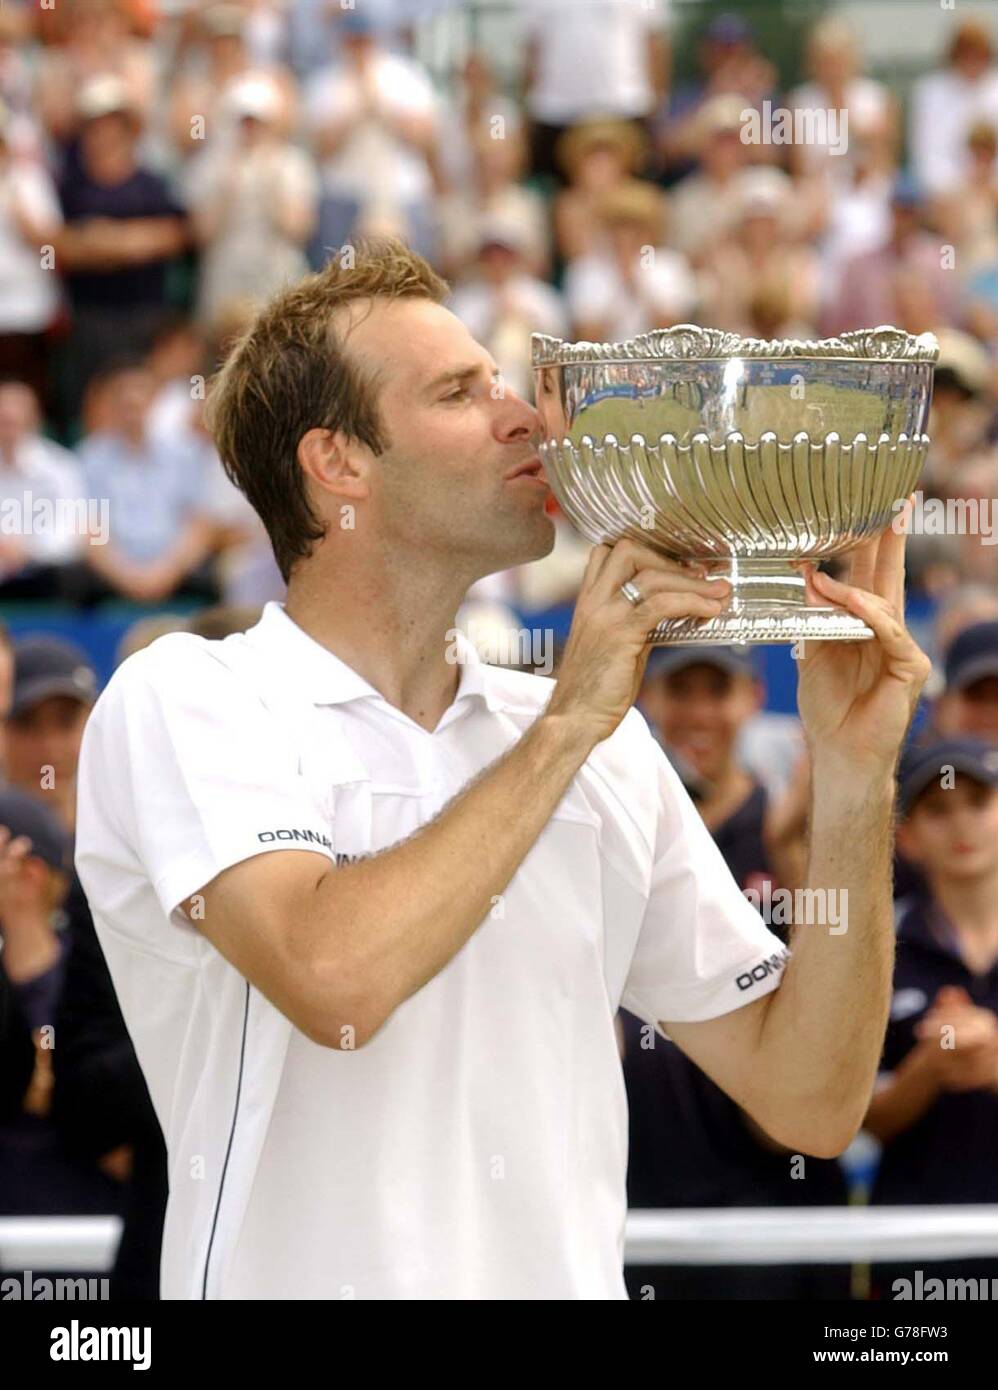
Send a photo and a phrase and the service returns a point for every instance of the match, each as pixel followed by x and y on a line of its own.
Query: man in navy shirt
pixel 122 229
pixel 936 1105
pixel 690 1144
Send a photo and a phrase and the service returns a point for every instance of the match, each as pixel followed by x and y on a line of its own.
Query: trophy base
pixel 767 606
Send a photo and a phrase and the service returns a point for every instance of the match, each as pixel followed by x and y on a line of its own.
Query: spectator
pixel 122 229
pixel 903 282
pixel 372 121
pixel 253 207
pixel 968 706
pixel 493 192
pixel 730 65
pixel 967 215
pixel 619 46
pixel 947 103
pixel 961 414
pixel 96 41
pixel 760 279
pixel 597 157
pixel 704 203
pixel 158 535
pixel 935 1109
pixel 42 483
pixel 850 215
pixel 218 56
pixel 29 290
pixel 504 304
pixel 479 111
pixel 54 689
pixel 837 85
pixel 176 363
pixel 37 1176
pixel 637 283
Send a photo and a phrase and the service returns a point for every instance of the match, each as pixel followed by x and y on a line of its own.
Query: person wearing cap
pixel 371 905
pixel 704 203
pixel 217 57
pixel 55 687
pixel 36 869
pixel 502 304
pixel 960 418
pixel 253 206
pixel 691 1145
pixel 729 63
pixel 968 704
pixel 633 282
pixel 122 229
pixel 78 1135
pixel 935 1109
pixel 946 103
pixel 596 157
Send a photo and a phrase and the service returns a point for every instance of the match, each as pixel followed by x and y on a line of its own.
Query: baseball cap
pixel 972 655
pixel 729 28
pixel 907 191
pixel 101 96
pixel 26 815
pixel 921 766
pixel 46 666
pixel 736 661
pixel 253 96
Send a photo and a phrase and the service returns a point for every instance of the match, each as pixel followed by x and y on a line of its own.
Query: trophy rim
pixel 688 342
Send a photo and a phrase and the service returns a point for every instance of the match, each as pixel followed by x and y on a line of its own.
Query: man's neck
pixel 392 624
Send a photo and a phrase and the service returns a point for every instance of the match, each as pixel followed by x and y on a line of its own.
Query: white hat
pixel 102 95
pixel 253 96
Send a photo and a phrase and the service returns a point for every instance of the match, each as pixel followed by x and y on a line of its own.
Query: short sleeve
pixel 703 949
pixel 184 772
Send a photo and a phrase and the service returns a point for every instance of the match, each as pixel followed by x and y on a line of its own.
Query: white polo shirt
pixel 476 1147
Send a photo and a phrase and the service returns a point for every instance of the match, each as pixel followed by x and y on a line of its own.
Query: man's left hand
pixel 857 699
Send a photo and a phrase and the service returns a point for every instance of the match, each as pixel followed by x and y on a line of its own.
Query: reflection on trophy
pixel 747 453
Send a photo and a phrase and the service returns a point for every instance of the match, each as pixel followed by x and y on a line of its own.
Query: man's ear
pixel 335 463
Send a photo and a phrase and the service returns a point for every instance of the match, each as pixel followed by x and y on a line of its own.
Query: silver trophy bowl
pixel 746 453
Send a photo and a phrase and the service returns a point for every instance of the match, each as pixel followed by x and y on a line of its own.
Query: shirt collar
pixel 325 679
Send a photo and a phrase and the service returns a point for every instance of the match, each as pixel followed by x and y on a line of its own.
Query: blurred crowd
pixel 164 169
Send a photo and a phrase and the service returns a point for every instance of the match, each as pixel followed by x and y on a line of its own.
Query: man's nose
pixel 519 419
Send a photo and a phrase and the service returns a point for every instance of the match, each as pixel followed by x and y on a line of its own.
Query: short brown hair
pixel 288 373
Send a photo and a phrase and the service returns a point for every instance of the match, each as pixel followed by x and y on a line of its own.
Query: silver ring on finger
pixel 631 592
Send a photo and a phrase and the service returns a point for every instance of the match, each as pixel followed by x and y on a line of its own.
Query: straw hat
pixel 627 139
pixel 635 202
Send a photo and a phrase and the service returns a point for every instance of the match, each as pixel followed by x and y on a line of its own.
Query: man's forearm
pixel 823 1031
pixel 400 916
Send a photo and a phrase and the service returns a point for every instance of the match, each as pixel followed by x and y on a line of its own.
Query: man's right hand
pixel 607 650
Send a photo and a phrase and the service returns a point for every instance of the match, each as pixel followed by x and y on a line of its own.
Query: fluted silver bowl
pixel 741 451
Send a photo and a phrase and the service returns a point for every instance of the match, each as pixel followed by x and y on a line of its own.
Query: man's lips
pixel 530 468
